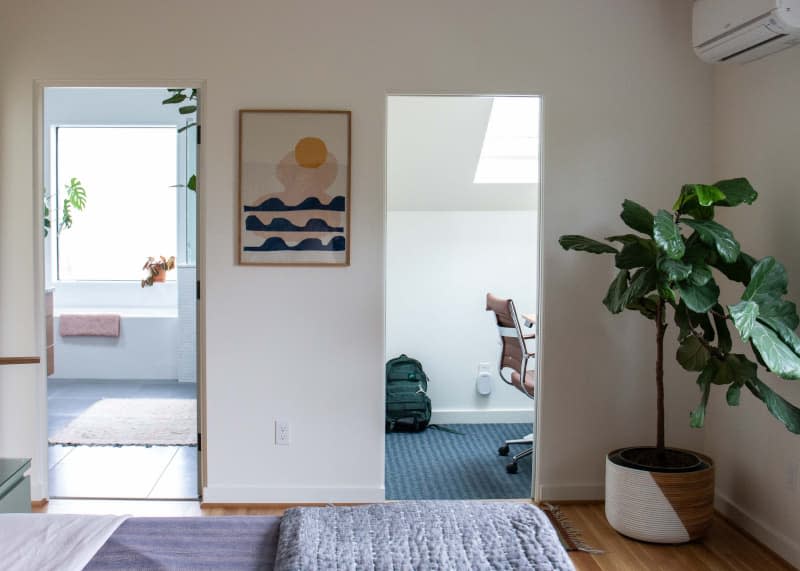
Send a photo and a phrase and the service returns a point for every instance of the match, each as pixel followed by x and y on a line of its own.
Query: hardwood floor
pixel 725 548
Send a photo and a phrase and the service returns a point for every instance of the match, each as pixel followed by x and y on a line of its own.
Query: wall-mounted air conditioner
pixel 744 30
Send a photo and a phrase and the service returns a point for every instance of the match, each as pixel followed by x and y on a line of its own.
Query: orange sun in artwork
pixel 310 152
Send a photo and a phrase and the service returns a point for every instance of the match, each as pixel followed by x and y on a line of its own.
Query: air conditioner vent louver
pixel 751 48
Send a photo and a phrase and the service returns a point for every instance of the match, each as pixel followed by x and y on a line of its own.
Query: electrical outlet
pixel 283 436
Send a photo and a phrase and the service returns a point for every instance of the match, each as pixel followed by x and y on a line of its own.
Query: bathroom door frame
pixel 41 471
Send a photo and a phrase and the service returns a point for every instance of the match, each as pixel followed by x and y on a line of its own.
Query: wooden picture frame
pixel 294 187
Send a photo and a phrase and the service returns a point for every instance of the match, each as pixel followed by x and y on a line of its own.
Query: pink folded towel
pixel 97 325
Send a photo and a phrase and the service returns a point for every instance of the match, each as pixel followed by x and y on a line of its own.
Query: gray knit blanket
pixel 422 535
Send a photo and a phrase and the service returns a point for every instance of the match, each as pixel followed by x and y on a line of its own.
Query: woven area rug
pixel 141 422
pixel 461 465
pixel 569 535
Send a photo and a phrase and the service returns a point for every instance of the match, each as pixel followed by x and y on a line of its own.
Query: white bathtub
pixel 146 349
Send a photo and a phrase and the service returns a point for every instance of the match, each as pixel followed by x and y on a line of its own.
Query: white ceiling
pixel 434 143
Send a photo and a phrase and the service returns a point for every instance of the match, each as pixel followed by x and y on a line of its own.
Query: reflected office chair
pixel 514 357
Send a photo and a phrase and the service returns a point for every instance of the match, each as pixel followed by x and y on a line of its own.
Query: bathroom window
pixel 129 174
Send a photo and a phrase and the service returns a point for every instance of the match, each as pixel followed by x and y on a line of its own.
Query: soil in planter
pixel 654 460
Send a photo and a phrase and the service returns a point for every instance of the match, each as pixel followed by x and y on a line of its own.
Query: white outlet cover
pixel 283 435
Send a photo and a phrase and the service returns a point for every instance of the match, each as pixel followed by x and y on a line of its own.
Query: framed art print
pixel 294 187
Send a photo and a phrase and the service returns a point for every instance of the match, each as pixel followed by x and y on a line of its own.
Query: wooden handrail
pixel 19 360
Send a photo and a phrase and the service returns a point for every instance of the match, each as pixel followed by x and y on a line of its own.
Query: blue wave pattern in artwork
pixel 312 203
pixel 284 225
pixel 308 245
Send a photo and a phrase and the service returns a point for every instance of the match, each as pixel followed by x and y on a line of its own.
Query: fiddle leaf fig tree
pixel 671 266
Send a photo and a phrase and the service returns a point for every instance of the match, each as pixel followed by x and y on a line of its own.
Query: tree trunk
pixel 660 327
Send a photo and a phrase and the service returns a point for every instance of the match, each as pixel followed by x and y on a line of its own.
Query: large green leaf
pixel 736 191
pixel 697 253
pixel 644 305
pixel 701 320
pixel 666 292
pixel 698 415
pixel 675 270
pixel 699 298
pixel 779 310
pixel 708 195
pixel 738 271
pixel 682 320
pixel 716 235
pixel 692 354
pixel 779 357
pixel 733 394
pixel 780 408
pixel 176 98
pixel 584 244
pixel 637 217
pixel 615 297
pixel 744 316
pixel 689 203
pixel 668 236
pixel 785 333
pixel 643 282
pixel 723 334
pixel 767 281
pixel 624 238
pixel 734 369
pixel 638 254
pixel 700 274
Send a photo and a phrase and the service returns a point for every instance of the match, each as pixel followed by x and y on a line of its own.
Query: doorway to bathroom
pixel 120 257
pixel 462 221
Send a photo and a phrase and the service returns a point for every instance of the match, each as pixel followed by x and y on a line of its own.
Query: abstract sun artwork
pixel 294 187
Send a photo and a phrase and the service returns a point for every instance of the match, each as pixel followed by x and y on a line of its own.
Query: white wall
pixel 627 110
pixel 756 128
pixel 439 266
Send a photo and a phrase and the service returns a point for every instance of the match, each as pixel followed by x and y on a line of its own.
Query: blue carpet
pixel 438 465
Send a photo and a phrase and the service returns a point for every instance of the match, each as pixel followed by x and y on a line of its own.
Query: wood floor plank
pixel 725 548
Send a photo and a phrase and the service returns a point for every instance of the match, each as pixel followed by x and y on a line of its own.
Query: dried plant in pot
pixel 157 269
pixel 670 268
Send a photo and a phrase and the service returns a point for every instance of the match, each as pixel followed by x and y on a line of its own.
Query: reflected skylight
pixel 510 152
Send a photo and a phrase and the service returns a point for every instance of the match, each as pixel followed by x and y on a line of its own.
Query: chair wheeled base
pixel 512 467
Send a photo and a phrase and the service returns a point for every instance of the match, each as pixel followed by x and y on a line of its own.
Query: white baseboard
pixel 482 416
pixel 571 492
pixel 784 546
pixel 293 495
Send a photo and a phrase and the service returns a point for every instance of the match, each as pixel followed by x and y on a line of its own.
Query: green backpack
pixel 408 407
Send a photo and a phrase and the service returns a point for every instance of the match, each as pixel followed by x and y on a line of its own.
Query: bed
pixel 425 535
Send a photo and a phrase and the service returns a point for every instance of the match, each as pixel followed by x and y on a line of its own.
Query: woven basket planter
pixel 660 506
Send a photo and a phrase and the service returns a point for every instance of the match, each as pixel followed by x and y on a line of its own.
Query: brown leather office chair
pixel 514 357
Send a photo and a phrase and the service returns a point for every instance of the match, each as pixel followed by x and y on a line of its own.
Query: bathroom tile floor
pixel 135 472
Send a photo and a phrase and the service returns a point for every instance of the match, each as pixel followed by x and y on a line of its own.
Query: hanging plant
pixel 75 197
pixel 188 105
